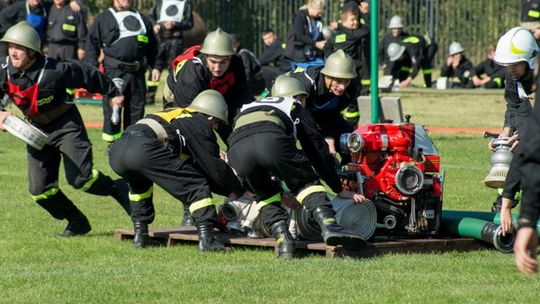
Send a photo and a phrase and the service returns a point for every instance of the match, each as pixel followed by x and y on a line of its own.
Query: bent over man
pixel 177 149
pixel 263 145
pixel 37 85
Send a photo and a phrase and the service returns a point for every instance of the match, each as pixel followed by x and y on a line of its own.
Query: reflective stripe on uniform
pixel 69 27
pixel 111 137
pixel 91 181
pixel 141 196
pixel 340 38
pixel 365 81
pixel 534 13
pixel 276 198
pixel 205 202
pixel 498 81
pixel 151 83
pixel 406 69
pixel 349 115
pixel 174 113
pixel 46 194
pixel 307 191
pixel 411 39
pixel 427 71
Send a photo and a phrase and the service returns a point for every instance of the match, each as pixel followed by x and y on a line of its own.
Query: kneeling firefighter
pixel 178 150
pixel 263 145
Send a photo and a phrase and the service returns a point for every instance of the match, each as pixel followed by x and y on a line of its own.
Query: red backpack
pixel 188 54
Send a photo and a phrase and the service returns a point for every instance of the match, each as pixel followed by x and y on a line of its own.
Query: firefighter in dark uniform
pixel 66 31
pixel 406 58
pixel 517 51
pixel 458 68
pixel 272 60
pixel 330 90
pixel 530 16
pixel 170 19
pixel 37 85
pixel 130 46
pixel 396 35
pixel 178 150
pixel 252 67
pixel 494 73
pixel 218 68
pixel 263 145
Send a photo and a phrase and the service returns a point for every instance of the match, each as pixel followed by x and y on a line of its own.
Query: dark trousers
pixel 134 100
pixel 256 158
pixel 62 51
pixel 142 160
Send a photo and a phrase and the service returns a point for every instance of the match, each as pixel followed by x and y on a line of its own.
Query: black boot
pixel 207 238
pixel 284 240
pixel 77 225
pixel 332 233
pixel 187 220
pixel 141 238
pixel 120 193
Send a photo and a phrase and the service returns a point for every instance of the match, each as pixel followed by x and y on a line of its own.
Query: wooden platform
pixel 177 235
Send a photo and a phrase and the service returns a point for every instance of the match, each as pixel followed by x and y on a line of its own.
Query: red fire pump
pixel 397 167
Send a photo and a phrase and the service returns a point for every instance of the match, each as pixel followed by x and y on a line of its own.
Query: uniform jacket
pixel 176 31
pixel 490 68
pixel 273 55
pixel 463 73
pixel 66 26
pixel 300 44
pixel 385 42
pixel 350 41
pixel 518 102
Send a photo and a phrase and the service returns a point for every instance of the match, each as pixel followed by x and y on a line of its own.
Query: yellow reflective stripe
pixel 348 114
pixel 340 38
pixel 70 91
pixel 283 45
pixel 111 137
pixel 173 113
pixel 141 196
pixel 46 194
pixel 515 50
pixel 362 21
pixel 279 240
pixel 298 70
pixel 69 27
pixel 498 81
pixel 427 71
pixel 329 220
pixel 91 181
pixel 499 191
pixel 534 13
pixel 205 202
pixel 411 39
pixel 151 83
pixel 406 69
pixel 184 115
pixel 307 191
pixel 365 81
pixel 276 198
pixel 518 195
pixel 142 38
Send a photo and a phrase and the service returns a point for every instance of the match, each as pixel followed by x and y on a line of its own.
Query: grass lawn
pixel 37 267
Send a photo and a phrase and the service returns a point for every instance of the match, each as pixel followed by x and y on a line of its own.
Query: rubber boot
pixel 207 239
pixel 332 233
pixel 120 193
pixel 77 225
pixel 187 220
pixel 141 238
pixel 284 240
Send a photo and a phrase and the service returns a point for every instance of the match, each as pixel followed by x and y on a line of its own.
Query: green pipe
pixel 494 217
pixel 478 229
pixel 374 73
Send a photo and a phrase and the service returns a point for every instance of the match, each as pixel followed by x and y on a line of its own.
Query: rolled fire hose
pixel 478 229
pixel 358 218
pixel 494 217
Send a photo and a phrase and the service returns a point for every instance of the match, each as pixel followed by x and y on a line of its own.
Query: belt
pixel 158 129
pixel 46 117
pixel 258 116
pixel 129 67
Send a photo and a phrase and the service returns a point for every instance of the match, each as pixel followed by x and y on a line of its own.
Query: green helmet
pixel 218 43
pixel 339 65
pixel 210 102
pixel 287 86
pixel 23 34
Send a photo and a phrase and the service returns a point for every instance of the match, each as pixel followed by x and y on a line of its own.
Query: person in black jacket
pixel 305 40
pixel 396 35
pixel 37 85
pixel 494 73
pixel 406 59
pixel 252 67
pixel 130 46
pixel 66 32
pixel 458 68
pixel 178 150
pixel 263 145
pixel 530 16
pixel 272 61
pixel 330 89
pixel 218 67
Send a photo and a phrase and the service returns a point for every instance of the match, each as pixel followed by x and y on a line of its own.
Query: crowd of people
pixel 307 85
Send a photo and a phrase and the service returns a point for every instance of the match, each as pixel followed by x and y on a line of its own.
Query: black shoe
pixel 141 238
pixel 187 220
pixel 284 240
pixel 208 240
pixel 332 233
pixel 78 225
pixel 121 194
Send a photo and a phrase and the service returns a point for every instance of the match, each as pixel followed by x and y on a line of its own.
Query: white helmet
pixel 455 48
pixel 395 22
pixel 518 44
pixel 394 51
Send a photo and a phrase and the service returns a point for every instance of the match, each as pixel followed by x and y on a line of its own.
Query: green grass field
pixel 37 267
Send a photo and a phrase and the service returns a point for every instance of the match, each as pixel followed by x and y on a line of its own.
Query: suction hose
pixel 494 217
